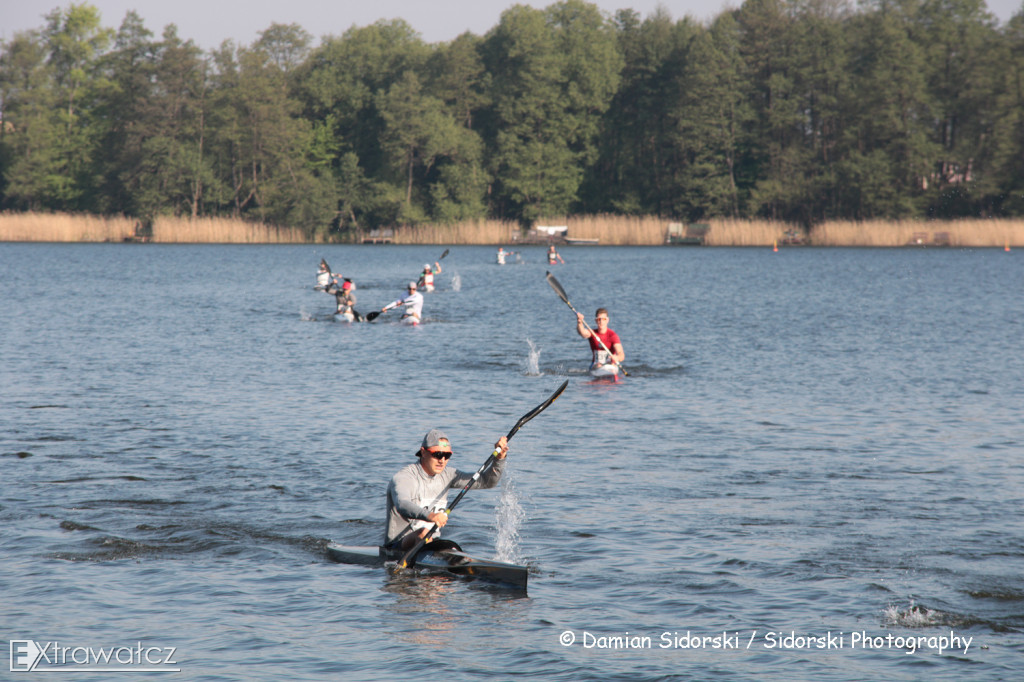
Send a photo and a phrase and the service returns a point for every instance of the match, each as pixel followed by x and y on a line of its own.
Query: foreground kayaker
pixel 607 336
pixel 418 494
pixel 413 302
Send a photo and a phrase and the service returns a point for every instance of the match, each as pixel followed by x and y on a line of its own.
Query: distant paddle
pixel 561 293
pixel 443 255
pixel 407 560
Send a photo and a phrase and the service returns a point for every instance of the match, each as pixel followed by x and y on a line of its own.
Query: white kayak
pixel 410 320
pixel 345 316
pixel 609 370
pixel 602 365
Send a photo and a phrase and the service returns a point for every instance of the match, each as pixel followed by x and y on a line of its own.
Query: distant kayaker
pixel 413 302
pixel 427 276
pixel 606 335
pixel 345 296
pixel 553 257
pixel 324 275
pixel 418 494
pixel 502 253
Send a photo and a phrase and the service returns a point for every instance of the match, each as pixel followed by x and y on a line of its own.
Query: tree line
pixel 796 110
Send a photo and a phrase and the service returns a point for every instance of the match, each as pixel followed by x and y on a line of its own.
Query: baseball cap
pixel 435 438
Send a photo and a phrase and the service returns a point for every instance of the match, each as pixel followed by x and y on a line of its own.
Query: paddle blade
pixel 325 266
pixel 443 254
pixel 558 289
pixel 370 317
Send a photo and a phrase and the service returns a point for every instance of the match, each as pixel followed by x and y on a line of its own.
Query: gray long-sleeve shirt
pixel 413 494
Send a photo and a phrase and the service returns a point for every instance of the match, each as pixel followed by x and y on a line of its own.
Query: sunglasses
pixel 440 455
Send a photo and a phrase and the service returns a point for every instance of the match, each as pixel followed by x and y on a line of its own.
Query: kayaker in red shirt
pixel 607 336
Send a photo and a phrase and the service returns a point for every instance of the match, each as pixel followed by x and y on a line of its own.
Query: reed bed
pixel 609 230
pixel 616 230
pixel 466 232
pixel 734 232
pixel 968 233
pixel 223 231
pixel 64 227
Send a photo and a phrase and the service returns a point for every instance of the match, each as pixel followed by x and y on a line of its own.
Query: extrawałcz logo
pixel 31 656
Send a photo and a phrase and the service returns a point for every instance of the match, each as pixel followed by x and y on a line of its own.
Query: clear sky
pixel 209 22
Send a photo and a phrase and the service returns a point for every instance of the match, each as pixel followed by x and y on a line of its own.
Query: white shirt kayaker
pixel 413 302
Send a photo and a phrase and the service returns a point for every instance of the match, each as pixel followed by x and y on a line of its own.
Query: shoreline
pixel 586 231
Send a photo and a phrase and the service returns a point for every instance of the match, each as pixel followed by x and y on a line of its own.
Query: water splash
pixel 305 316
pixel 508 517
pixel 456 282
pixel 915 616
pixel 533 360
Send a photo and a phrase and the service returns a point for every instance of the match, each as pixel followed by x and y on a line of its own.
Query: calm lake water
pixel 816 462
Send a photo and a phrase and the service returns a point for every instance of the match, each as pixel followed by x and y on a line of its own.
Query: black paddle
pixel 408 558
pixel 561 293
pixel 371 316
